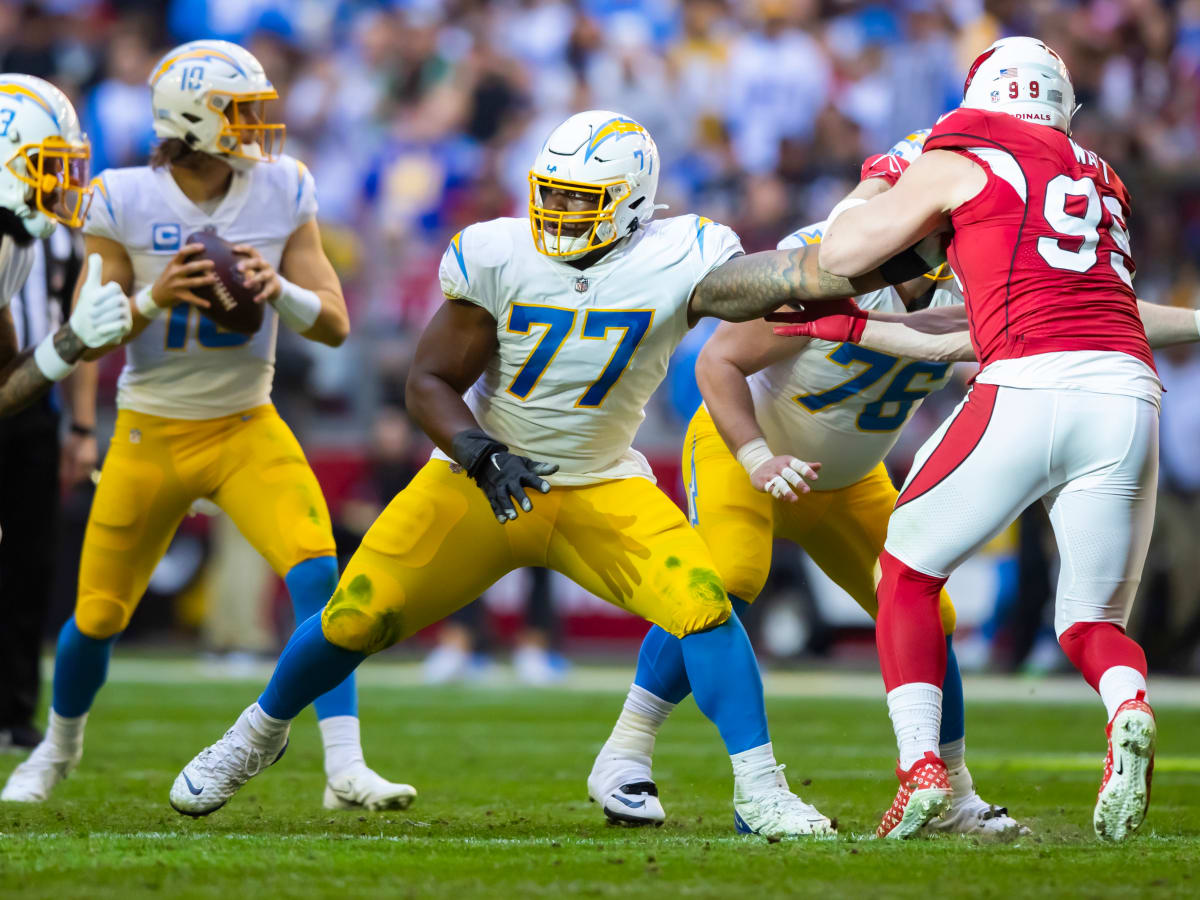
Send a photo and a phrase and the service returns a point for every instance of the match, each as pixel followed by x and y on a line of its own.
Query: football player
pixel 44 181
pixel 823 400
pixel 1064 409
pixel 557 328
pixel 195 418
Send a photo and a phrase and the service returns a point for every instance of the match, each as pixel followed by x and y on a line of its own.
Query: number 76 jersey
pixel 579 352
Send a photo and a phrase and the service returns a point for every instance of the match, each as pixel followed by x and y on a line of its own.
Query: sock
pixel 908 630
pixel 916 711
pixel 343 745
pixel 260 729
pixel 637 727
pixel 1118 684
pixel 756 767
pixel 727 684
pixel 80 669
pixel 308 667
pixel 660 668
pixel 1096 648
pixel 954 713
pixel 953 755
pixel 311 584
pixel 66 734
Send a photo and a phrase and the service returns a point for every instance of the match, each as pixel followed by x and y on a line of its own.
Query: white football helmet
pixel 45 153
pixel 213 96
pixel 1023 77
pixel 602 156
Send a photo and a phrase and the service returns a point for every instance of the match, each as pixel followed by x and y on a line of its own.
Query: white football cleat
pixel 363 788
pixel 770 809
pixel 1125 789
pixel 625 790
pixel 217 772
pixel 971 814
pixel 34 779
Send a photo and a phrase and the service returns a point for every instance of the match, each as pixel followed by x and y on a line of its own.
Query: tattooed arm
pixel 22 381
pixel 749 287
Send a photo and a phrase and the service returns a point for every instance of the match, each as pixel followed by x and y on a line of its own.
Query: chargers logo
pixel 166 236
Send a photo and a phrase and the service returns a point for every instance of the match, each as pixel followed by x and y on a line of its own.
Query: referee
pixel 29 494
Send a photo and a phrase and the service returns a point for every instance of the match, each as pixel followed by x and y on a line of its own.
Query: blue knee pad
pixel 660 668
pixel 311 584
pixel 80 669
pixel 954 713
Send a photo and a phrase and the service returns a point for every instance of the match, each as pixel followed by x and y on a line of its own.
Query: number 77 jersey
pixel 1042 251
pixel 579 352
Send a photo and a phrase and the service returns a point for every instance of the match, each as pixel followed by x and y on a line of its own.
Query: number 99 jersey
pixel 183 366
pixel 841 404
pixel 579 351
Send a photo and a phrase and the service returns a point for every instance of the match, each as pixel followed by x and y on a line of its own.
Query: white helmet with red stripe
pixel 1023 77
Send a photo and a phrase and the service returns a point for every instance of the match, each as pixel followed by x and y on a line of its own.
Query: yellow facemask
pixel 580 230
pixel 57 171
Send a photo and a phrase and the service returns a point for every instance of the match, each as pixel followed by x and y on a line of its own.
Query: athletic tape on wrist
pixel 753 454
pixel 49 363
pixel 298 307
pixel 143 300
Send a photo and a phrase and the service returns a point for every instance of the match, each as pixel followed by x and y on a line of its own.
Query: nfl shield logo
pixel 581 284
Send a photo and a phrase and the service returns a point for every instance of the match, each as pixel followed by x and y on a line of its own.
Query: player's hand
pixel 181 276
pixel 258 274
pixel 502 476
pixel 77 459
pixel 102 314
pixel 783 477
pixel 831 320
pixel 885 166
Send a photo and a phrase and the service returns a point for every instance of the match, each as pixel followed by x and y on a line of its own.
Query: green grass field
pixel 503 811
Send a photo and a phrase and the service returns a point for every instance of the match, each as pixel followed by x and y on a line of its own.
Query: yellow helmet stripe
pixel 199 53
pixel 19 90
pixel 612 128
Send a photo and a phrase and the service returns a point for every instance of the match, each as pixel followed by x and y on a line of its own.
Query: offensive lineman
pixel 1064 409
pixel 195 418
pixel 824 400
pixel 558 342
pixel 44 181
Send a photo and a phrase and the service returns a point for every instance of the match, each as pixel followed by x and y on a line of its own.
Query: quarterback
pixel 1064 409
pixel 557 329
pixel 825 400
pixel 195 417
pixel 44 181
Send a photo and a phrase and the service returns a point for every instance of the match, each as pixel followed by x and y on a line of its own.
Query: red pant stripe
pixel 959 441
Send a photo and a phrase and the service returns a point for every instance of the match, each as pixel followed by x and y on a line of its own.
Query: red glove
pixel 839 321
pixel 885 166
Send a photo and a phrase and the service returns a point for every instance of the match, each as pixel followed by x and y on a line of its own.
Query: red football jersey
pixel 1042 251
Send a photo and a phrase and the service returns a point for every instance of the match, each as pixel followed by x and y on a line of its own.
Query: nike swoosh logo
pixel 1119 769
pixel 196 791
pixel 630 803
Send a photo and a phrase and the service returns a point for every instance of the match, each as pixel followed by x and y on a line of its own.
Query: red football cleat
pixel 1125 790
pixel 923 796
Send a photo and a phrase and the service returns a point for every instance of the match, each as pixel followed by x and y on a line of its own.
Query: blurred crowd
pixel 418 117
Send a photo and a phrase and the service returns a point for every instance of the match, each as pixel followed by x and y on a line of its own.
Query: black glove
pixel 502 476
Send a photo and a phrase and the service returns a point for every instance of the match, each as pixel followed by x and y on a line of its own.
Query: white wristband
pixel 49 363
pixel 1198 321
pixel 847 203
pixel 753 454
pixel 298 307
pixel 143 301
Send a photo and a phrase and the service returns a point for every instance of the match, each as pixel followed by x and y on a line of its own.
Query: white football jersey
pixel 580 352
pixel 15 263
pixel 840 404
pixel 184 366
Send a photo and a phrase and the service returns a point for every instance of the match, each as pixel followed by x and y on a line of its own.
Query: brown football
pixel 232 304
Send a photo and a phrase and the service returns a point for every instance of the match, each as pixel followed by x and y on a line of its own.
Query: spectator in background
pixel 116 115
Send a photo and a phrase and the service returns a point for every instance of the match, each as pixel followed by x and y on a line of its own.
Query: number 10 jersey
pixel 579 352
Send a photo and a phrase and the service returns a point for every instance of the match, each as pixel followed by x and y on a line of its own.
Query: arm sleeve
pixel 306 195
pixel 102 214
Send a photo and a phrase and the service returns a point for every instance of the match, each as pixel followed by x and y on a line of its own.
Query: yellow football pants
pixel 438 545
pixel 843 530
pixel 249 464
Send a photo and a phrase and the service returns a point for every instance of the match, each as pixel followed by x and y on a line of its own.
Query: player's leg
pixel 269 491
pixel 627 542
pixel 1102 519
pixel 435 548
pixel 969 481
pixel 734 520
pixel 142 496
pixel 845 542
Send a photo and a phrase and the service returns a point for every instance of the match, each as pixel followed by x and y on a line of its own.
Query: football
pixel 232 304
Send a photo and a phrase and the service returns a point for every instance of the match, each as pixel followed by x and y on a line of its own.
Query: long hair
pixel 175 152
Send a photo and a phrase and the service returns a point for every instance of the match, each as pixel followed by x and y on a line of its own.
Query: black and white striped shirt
pixel 44 296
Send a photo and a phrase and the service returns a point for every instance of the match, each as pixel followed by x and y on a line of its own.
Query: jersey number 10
pixel 209 335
